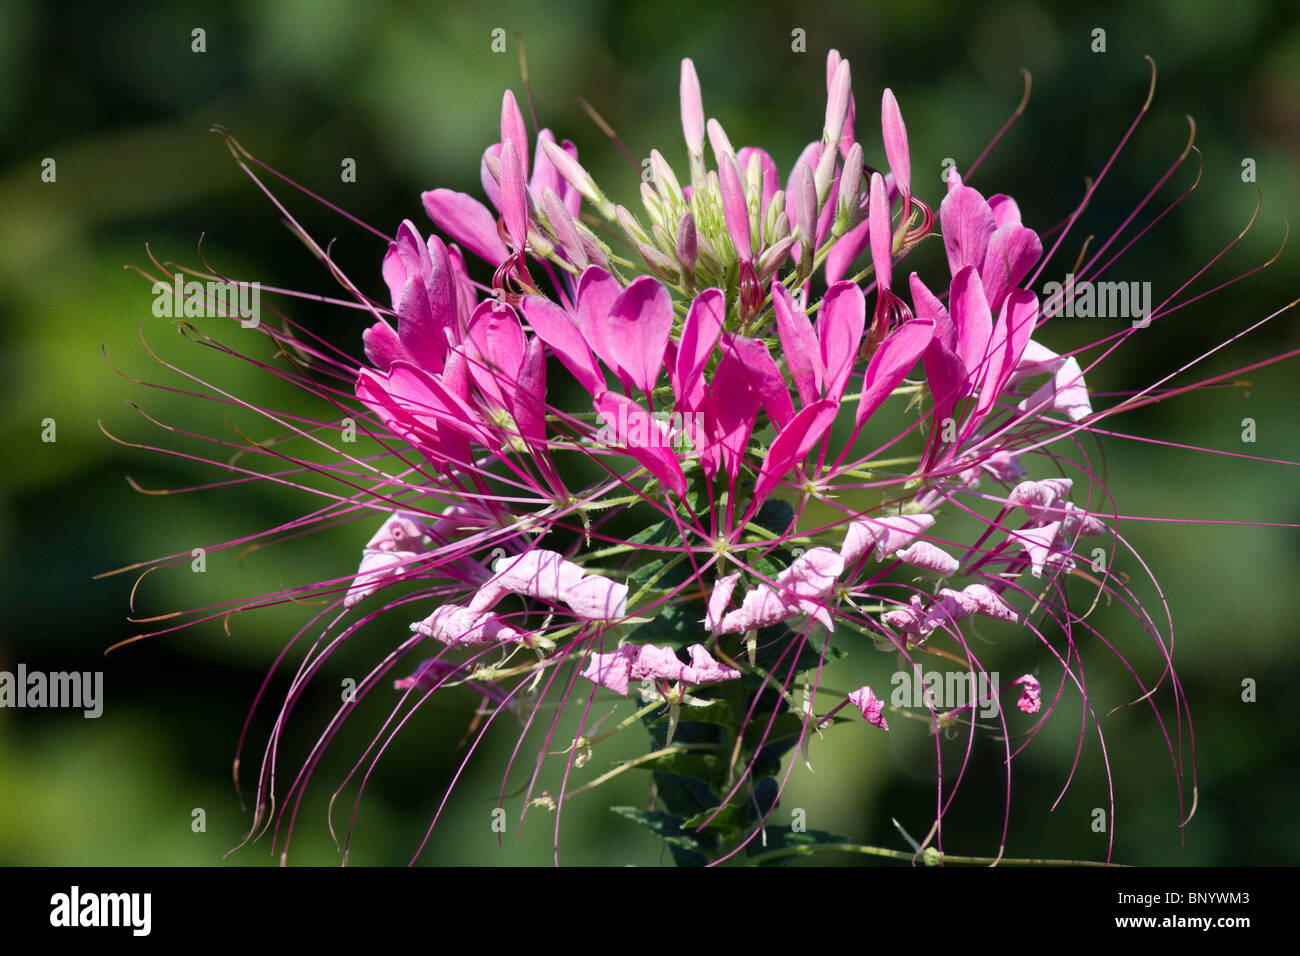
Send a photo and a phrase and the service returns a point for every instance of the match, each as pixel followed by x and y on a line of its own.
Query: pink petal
pixel 967 223
pixel 658 460
pixel 718 600
pixel 383 347
pixel 467 221
pixel 554 327
pixel 514 199
pixel 923 554
pixel 798 343
pixel 895 137
pixel 793 443
pixel 496 351
pixel 1013 251
pixel 597 598
pixel 891 363
pixel 734 207
pixel 840 325
pixel 882 249
pixel 700 334
pixel 637 329
pixel 974 321
pixel 1010 336
pixel 597 293
pixel 870 706
pixel 692 108
pixel 612 670
pixel 703 669
pixel 513 131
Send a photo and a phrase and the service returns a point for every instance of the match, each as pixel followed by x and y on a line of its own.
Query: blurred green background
pixel 411 91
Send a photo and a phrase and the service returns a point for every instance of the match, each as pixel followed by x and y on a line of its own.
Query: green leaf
pixel 668 827
pixel 709 768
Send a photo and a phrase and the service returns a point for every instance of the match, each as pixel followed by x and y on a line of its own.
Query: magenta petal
pixel 597 292
pixel 657 457
pixel 870 706
pixel 692 108
pixel 840 324
pixel 974 321
pixel 967 223
pixel 891 363
pixel 383 347
pixel 637 329
pixel 1004 209
pixel 761 375
pixel 793 443
pixel 895 137
pixel 882 248
pixel 799 343
pixel 926 305
pixel 497 351
pixel 514 200
pixel 699 338
pixel 1007 344
pixel 467 221
pixel 1012 252
pixel 545 175
pixel 734 207
pixel 528 402
pixel 554 327
pixel 514 131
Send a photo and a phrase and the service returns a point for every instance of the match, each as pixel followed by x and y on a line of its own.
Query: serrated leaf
pixel 707 768
pixel 668 827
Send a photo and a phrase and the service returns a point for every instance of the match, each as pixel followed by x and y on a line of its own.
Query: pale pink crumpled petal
pixel 977 599
pixel 923 554
pixel 812 574
pixel 871 707
pixel 704 669
pixel 547 576
pixel 1065 392
pixel 910 619
pixel 1030 700
pixel 463 627
pixel 401 531
pixel 723 588
pixel 657 663
pixel 377 569
pixel 762 607
pixel 597 598
pixel 886 535
pixel 614 669
pixel 1077 521
pixel 1043 545
pixel 1036 497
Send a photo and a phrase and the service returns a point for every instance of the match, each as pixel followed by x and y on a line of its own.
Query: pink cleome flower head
pixel 720 426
